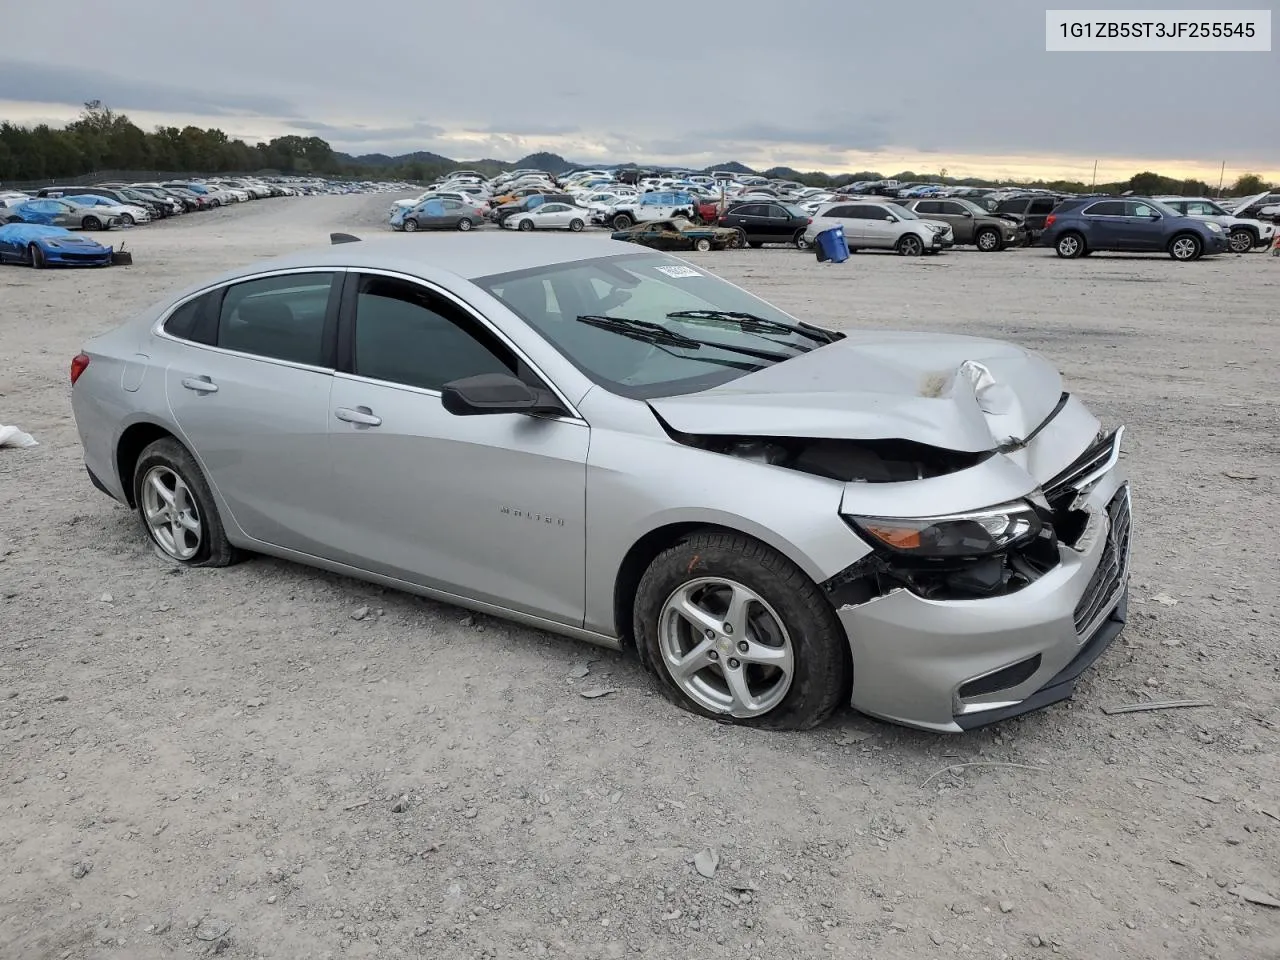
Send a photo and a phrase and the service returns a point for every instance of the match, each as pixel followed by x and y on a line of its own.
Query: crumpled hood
pixel 953 392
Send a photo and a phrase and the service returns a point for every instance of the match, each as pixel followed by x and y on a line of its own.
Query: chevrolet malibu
pixel 618 446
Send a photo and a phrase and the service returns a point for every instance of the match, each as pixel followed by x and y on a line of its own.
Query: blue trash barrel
pixel 831 245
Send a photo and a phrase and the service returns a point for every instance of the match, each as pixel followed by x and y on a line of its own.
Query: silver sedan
pixel 620 447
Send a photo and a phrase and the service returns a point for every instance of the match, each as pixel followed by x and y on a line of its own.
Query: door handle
pixel 200 384
pixel 360 415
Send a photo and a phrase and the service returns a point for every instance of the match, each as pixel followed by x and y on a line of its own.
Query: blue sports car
pixel 42 246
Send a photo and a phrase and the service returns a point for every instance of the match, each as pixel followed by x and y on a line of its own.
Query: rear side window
pixel 928 206
pixel 1106 208
pixel 195 320
pixel 1042 206
pixel 278 318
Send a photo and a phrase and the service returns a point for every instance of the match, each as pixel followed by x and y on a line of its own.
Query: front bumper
pixel 953 665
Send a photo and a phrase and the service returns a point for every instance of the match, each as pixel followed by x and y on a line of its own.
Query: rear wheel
pixel 410 225
pixel 799 241
pixel 702 245
pixel 576 225
pixel 177 508
pixel 742 239
pixel 37 257
pixel 1069 246
pixel 91 223
pixel 622 221
pixel 464 224
pixel 1241 241
pixel 1185 247
pixel 988 240
pixel 734 631
pixel 910 246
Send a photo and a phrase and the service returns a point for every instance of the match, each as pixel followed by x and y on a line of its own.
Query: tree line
pixel 102 139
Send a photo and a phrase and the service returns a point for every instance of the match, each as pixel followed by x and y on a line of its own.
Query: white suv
pixel 884 226
pixel 1243 234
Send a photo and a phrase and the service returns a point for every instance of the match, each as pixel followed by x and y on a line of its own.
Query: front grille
pixel 81 257
pixel 1070 480
pixel 1108 580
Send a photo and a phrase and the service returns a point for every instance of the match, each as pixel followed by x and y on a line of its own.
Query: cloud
pixel 338 134
pixel 49 83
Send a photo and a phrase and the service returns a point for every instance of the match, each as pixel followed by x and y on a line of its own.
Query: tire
pixel 127 219
pixel 742 239
pixel 576 226
pixel 988 240
pixel 799 241
pixel 702 245
pixel 526 226
pixel 1241 241
pixel 214 204
pixel 1070 245
pixel 786 621
pixel 410 225
pixel 37 257
pixel 166 463
pixel 909 245
pixel 622 221
pixel 465 224
pixel 91 223
pixel 1185 247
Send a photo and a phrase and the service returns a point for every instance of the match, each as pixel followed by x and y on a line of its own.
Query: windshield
pixel 1164 208
pixel 903 212
pixel 646 288
pixel 970 206
pixel 792 209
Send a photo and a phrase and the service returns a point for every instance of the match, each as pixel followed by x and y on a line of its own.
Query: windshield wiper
pixel 751 323
pixel 658 334
pixel 660 337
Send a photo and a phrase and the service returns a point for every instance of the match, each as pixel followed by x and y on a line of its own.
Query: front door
pixel 948 211
pixel 488 507
pixel 1143 229
pixel 252 401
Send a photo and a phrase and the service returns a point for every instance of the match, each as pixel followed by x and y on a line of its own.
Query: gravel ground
pixel 236 762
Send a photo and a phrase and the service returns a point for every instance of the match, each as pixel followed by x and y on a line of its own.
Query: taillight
pixel 1048 221
pixel 79 363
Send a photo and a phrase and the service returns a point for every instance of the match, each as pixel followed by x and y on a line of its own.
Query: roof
pixel 472 255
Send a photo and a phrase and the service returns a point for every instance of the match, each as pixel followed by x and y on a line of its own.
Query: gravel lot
pixel 224 751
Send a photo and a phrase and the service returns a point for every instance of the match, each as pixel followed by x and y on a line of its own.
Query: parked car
pixel 59 213
pixel 125 214
pixel 436 214
pixel 1243 233
pixel 773 514
pixel 766 222
pixel 970 223
pixel 116 196
pixel 1031 212
pixel 1255 206
pixel 500 213
pixel 40 246
pixel 881 225
pixel 657 205
pixel 1084 225
pixel 679 235
pixel 549 216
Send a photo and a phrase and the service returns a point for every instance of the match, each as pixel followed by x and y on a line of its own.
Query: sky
pixel 812 84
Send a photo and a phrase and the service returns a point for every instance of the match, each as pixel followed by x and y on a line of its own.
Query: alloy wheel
pixel 988 240
pixel 171 513
pixel 725 647
pixel 1184 248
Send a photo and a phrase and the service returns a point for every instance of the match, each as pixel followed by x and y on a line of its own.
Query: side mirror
pixel 967 214
pixel 489 393
pixel 1154 216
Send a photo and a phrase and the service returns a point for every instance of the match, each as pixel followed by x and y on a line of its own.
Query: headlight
pixel 1214 227
pixel 973 534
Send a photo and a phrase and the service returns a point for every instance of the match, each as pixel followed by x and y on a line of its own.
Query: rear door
pixel 487 507
pixel 1107 226
pixel 248 386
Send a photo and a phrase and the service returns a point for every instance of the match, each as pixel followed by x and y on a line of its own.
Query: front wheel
pixel 177 509
pixel 410 225
pixel 734 631
pixel 576 226
pixel 622 221
pixel 1185 247
pixel 702 245
pixel 215 204
pixel 91 223
pixel 526 225
pixel 464 224
pixel 127 219
pixel 1241 241
pixel 37 257
pixel 910 246
pixel 988 240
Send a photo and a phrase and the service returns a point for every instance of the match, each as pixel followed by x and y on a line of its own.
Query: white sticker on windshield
pixel 678 273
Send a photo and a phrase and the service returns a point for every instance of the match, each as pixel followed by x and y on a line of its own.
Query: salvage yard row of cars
pixel 671 213
pixel 36 227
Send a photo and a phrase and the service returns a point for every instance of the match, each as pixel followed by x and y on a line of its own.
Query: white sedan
pixel 549 216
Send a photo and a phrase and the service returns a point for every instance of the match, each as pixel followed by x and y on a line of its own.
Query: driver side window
pixel 406 334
